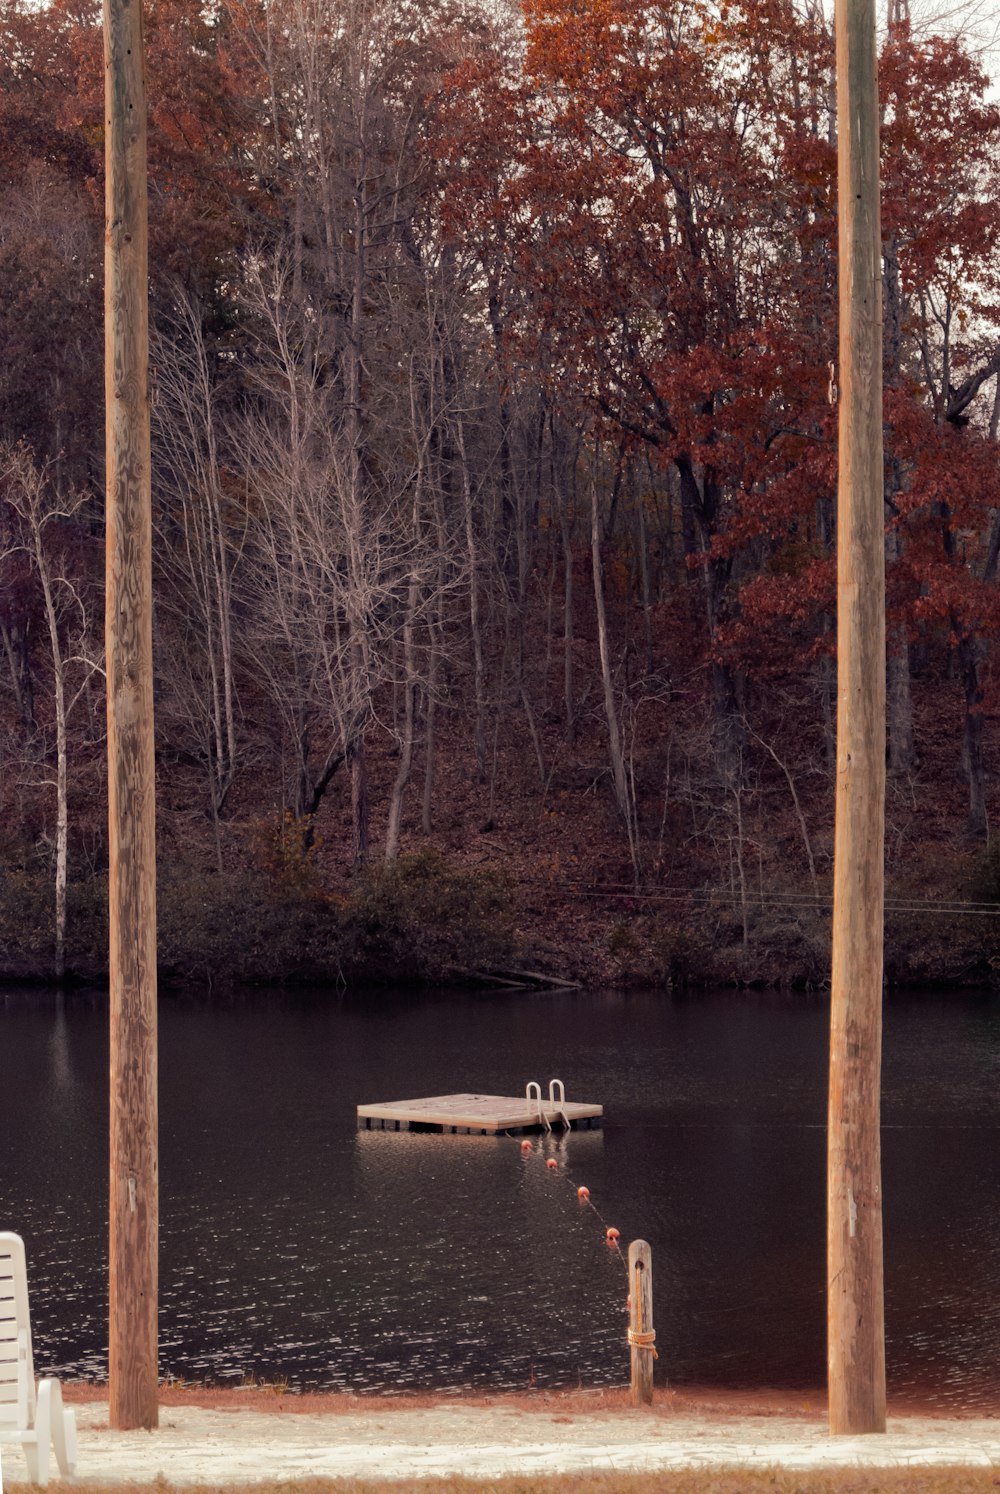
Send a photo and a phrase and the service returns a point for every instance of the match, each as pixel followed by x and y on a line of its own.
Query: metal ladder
pixel 533 1095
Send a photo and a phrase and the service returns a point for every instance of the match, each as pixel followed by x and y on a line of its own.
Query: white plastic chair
pixel 33 1416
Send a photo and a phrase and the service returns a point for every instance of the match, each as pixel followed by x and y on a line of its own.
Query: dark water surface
pixel 294 1246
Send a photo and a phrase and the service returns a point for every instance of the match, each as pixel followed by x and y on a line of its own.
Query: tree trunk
pixel 977 824
pixel 406 742
pixel 902 753
pixel 427 802
pixel 15 643
pixel 508 507
pixel 827 663
pixel 536 740
pixel 898 698
pixel 569 707
pixel 610 709
pixel 702 498
pixel 828 694
pixel 475 627
pixel 360 810
pixel 356 430
pixel 303 779
pixel 59 694
pixel 647 604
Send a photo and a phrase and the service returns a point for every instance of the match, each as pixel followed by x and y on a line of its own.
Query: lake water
pixel 294 1246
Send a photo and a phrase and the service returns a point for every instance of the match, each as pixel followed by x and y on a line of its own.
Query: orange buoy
pixel 552 1164
pixel 526 1145
pixel 612 1234
pixel 583 1194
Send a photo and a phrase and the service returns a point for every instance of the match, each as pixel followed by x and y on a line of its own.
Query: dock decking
pixel 484 1115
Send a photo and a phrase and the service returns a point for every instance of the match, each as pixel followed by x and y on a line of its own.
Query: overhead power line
pixel 790 901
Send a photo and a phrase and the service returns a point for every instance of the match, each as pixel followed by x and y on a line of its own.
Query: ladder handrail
pixel 532 1084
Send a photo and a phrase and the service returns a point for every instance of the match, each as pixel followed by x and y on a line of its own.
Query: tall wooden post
pixel 641 1334
pixel 856 1341
pixel 131 835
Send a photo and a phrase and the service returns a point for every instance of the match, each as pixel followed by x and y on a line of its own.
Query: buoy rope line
pixel 637 1338
pixel 611 1234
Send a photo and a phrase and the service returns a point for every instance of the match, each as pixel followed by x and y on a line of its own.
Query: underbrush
pixel 784 939
pixel 27 914
pixel 420 918
pixel 426 918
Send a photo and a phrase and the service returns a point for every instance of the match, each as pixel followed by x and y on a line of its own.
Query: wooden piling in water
pixel 641 1333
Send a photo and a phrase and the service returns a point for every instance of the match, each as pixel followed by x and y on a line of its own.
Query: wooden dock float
pixel 482 1115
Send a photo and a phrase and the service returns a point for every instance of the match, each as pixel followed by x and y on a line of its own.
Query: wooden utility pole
pixel 131 813
pixel 856 1337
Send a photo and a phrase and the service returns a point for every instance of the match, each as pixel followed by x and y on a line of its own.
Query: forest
pixel 494 380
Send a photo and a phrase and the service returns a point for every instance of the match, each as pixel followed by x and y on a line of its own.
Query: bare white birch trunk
pixel 59 694
pixel 610 710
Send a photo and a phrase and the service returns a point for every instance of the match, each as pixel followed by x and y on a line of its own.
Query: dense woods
pixel 494 463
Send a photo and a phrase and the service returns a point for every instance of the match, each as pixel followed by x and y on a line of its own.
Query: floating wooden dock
pixel 483 1115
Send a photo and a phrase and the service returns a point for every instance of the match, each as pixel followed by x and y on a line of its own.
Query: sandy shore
pixel 245 1436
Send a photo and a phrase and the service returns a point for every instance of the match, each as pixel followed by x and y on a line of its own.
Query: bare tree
pixel 337 572
pixel 37 511
pixel 201 521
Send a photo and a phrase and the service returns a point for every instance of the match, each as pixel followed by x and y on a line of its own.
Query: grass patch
pixel 681 1481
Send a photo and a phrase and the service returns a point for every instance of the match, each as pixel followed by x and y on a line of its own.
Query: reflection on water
pixel 295 1246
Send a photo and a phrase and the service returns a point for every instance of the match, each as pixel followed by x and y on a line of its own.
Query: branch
pixel 959 399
